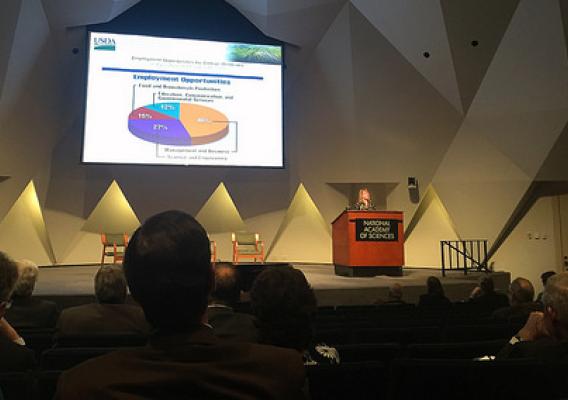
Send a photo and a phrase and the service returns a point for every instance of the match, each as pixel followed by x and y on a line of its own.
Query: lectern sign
pixel 376 230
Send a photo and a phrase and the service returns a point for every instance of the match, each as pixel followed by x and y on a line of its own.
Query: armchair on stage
pixel 213 248
pixel 114 245
pixel 247 245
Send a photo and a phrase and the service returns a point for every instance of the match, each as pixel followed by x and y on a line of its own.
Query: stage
pixel 70 285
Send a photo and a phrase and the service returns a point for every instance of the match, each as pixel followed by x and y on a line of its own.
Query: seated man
pixel 14 356
pixel 285 305
pixel 110 315
pixel 227 323
pixel 544 278
pixel 522 293
pixel 168 269
pixel 486 297
pixel 28 311
pixel 545 334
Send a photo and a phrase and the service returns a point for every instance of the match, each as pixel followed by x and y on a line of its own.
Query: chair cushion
pixel 244 238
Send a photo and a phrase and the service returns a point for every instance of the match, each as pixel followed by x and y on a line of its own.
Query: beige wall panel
pixel 529 257
pixel 422 245
pixel 84 248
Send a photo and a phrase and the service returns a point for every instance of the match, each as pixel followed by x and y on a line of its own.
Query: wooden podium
pixel 368 243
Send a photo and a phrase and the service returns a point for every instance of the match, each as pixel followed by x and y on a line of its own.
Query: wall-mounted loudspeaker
pixel 413 190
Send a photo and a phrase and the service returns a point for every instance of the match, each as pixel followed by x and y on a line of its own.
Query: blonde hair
pixel 27 277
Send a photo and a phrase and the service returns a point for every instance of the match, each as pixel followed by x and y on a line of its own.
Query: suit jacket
pixel 31 312
pixel 194 365
pixel 519 313
pixel 94 318
pixel 543 349
pixel 491 301
pixel 228 324
pixel 434 300
pixel 15 358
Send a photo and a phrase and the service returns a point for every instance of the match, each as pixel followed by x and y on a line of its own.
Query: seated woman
pixel 284 305
pixel 435 296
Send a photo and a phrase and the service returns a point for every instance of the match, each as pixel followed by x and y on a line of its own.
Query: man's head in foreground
pixel 555 301
pixel 8 278
pixel 168 268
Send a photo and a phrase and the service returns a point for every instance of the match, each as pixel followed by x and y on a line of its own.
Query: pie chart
pixel 178 124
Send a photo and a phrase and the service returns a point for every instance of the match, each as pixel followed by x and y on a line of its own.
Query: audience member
pixel 522 293
pixel 14 356
pixel 28 311
pixel 435 296
pixel 110 315
pixel 545 334
pixel 544 278
pixel 285 304
pixel 227 323
pixel 394 296
pixel 168 269
pixel 486 297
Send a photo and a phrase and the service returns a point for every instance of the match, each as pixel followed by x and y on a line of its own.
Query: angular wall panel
pixel 112 214
pixel 304 235
pixel 23 233
pixel 430 225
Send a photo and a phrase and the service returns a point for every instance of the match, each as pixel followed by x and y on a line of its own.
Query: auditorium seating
pixel 18 385
pixel 386 352
pixel 359 380
pixel 465 379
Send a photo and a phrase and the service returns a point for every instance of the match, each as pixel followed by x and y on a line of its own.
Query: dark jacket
pixel 32 313
pixel 94 318
pixel 15 358
pixel 231 325
pixel 196 365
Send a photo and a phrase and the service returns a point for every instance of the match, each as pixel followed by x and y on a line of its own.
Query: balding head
pixel 226 285
pixel 555 299
pixel 522 291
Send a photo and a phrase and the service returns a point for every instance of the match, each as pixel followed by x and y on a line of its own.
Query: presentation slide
pixel 153 100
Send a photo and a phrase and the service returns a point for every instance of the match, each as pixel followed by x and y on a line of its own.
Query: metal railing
pixel 463 255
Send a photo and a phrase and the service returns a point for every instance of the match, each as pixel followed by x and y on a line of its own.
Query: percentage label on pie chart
pixel 178 124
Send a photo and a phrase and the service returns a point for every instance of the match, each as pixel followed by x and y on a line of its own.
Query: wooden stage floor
pixel 330 289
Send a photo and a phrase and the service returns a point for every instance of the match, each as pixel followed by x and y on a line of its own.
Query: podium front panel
pixel 368 239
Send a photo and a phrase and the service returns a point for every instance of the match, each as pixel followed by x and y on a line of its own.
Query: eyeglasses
pixel 6 304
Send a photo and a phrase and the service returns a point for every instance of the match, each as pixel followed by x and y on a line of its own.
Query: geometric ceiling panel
pixel 29 38
pixel 69 13
pixel 514 120
pixel 8 21
pixel 414 29
pixel 301 23
pixel 475 29
pixel 522 104
pixel 398 113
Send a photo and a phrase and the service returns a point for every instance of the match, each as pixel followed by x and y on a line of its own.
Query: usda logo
pixel 107 44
